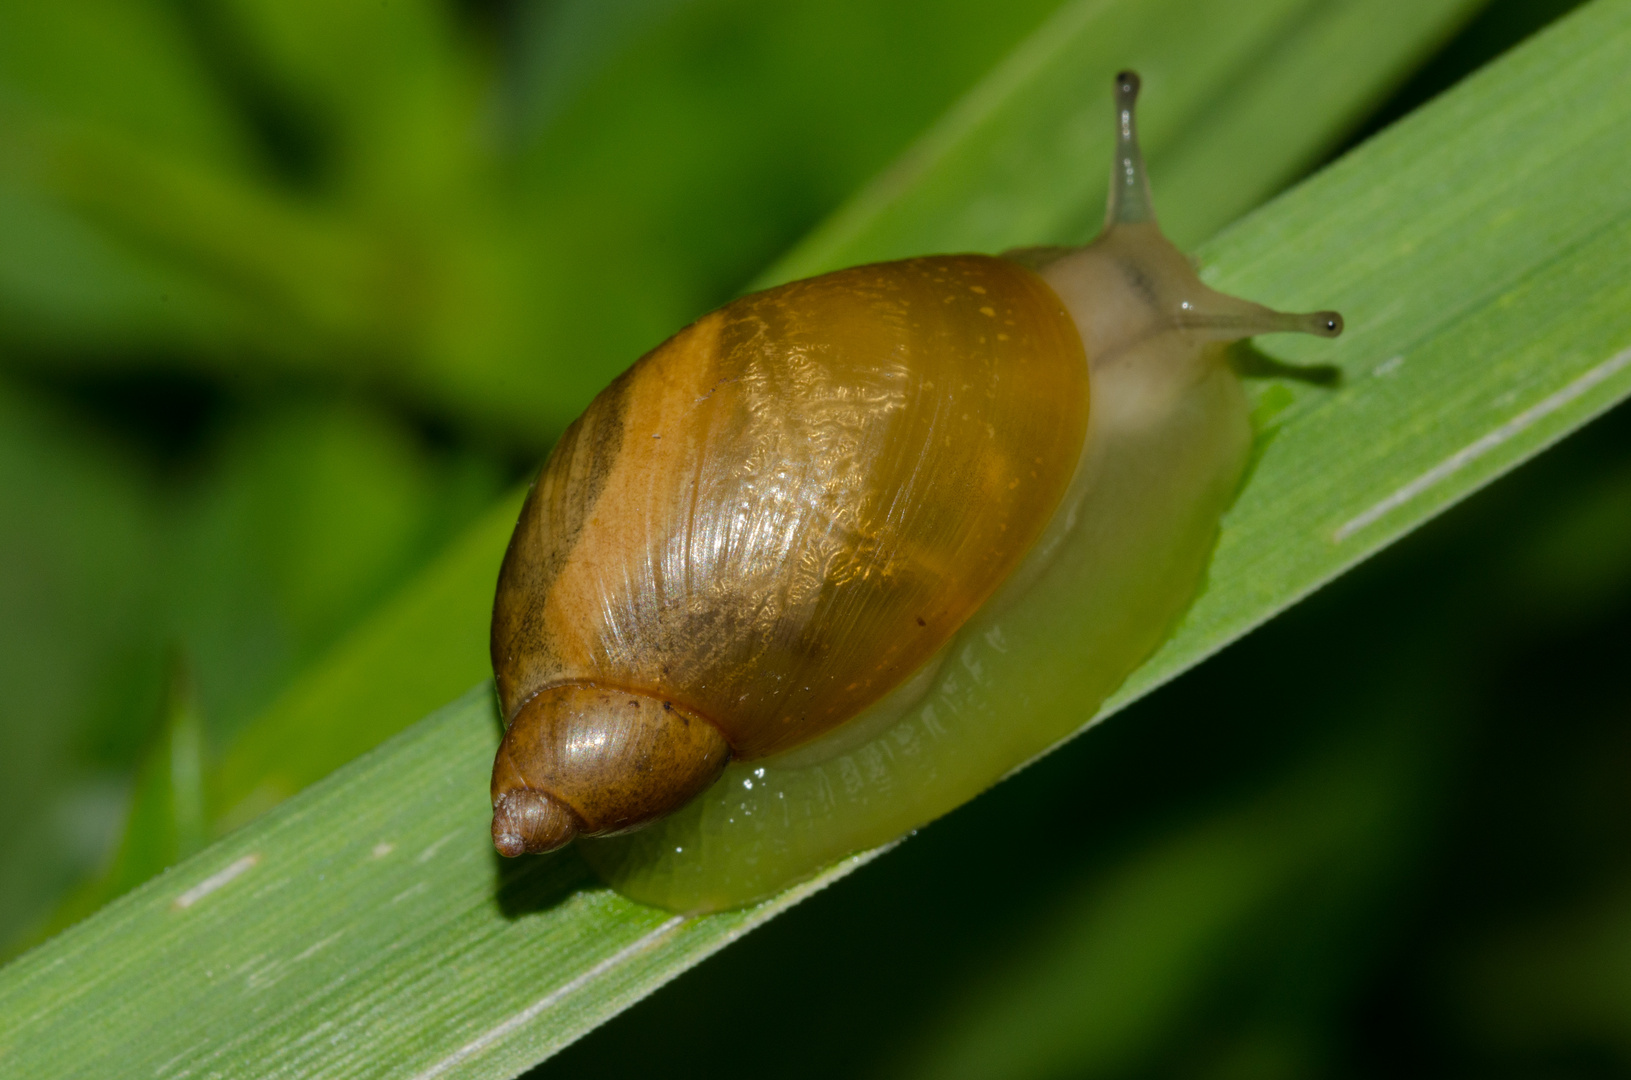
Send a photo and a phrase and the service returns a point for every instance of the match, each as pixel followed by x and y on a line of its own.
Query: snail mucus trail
pixel 760 542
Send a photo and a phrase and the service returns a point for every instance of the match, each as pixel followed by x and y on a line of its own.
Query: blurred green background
pixel 291 292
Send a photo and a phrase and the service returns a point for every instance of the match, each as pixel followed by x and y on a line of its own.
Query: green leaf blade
pixel 298 929
pixel 1508 304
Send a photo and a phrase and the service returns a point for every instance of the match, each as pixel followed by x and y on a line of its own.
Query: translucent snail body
pixel 840 555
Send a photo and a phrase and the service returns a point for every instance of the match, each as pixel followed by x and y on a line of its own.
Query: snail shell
pixel 759 541
pixel 769 522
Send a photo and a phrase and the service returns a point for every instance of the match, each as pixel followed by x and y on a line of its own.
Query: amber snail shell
pixel 781 513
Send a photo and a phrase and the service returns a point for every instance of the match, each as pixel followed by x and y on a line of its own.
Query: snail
pixel 795 543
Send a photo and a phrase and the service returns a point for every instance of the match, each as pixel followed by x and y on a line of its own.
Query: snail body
pixel 804 545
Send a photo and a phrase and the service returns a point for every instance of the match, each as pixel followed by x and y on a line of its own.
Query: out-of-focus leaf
pixel 120 247
pixel 168 810
pixel 1095 986
pixel 79 648
pixel 711 140
pixel 562 46
pixel 509 289
pixel 502 285
pixel 124 241
pixel 392 89
pixel 166 819
pixel 1582 563
pixel 1560 986
pixel 126 65
pixel 307 518
pixel 369 904
pixel 375 682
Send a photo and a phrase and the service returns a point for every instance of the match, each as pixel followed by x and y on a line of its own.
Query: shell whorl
pixel 597 760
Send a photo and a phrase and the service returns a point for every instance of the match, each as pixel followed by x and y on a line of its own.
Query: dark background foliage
pixel 276 324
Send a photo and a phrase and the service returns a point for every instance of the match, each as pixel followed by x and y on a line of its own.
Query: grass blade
pixel 353 937
pixel 1482 252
